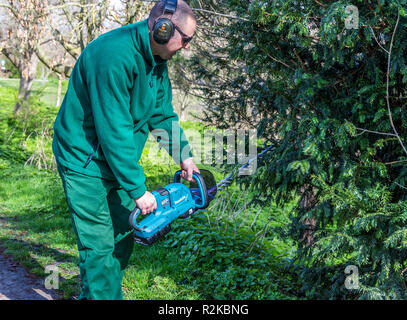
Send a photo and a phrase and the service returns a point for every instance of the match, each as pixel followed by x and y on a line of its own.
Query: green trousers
pixel 100 210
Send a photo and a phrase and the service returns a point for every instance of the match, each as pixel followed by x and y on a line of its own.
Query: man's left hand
pixel 188 167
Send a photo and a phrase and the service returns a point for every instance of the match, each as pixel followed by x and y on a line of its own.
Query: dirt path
pixel 17 284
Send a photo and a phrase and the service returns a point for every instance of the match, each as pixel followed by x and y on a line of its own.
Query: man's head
pixel 184 22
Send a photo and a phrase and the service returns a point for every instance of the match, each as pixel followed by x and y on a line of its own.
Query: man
pixel 119 90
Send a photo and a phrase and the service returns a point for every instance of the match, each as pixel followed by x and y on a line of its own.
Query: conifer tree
pixel 324 82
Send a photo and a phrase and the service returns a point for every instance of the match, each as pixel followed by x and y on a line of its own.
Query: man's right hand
pixel 146 203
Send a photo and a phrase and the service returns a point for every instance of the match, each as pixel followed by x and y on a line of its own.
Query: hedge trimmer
pixel 176 200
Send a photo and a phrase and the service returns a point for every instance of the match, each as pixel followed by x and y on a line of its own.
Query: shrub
pixel 222 265
pixel 331 100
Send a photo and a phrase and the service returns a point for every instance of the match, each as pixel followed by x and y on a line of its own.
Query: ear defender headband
pixel 163 29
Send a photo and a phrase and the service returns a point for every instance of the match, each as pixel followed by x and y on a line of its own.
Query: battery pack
pixel 149 241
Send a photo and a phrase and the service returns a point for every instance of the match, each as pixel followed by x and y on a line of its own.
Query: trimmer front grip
pixel 201 185
pixel 133 219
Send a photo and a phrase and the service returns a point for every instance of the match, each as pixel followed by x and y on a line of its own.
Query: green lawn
pixel 47 91
pixel 36 229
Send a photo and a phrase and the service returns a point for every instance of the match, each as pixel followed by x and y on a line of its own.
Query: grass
pixel 46 90
pixel 35 225
pixel 36 229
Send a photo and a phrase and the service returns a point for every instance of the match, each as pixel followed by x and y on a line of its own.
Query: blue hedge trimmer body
pixel 174 201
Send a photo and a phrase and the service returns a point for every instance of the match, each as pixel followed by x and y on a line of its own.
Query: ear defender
pixel 163 31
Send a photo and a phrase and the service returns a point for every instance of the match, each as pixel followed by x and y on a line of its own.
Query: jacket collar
pixel 142 41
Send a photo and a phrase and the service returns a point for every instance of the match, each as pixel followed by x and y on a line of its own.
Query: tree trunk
pixel 183 107
pixel 60 78
pixel 27 69
pixel 45 74
pixel 307 201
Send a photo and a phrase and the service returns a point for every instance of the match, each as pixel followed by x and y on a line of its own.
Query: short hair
pixel 179 17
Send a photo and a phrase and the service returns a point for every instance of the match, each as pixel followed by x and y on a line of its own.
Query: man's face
pixel 179 40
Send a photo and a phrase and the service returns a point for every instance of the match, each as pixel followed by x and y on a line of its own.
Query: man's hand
pixel 188 167
pixel 146 203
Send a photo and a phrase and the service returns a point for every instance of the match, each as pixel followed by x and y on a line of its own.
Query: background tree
pixel 24 27
pixel 72 26
pixel 124 12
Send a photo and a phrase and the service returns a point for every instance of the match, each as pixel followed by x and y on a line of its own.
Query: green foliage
pixel 318 92
pixel 221 264
pixel 14 73
pixel 30 131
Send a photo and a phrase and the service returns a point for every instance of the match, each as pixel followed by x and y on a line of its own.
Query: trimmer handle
pixel 133 219
pixel 201 185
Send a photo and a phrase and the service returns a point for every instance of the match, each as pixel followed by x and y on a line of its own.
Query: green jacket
pixel 117 93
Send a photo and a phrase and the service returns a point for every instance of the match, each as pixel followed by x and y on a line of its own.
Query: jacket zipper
pixel 95 146
pixel 151 79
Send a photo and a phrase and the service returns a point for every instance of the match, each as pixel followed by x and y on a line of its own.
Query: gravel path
pixel 17 284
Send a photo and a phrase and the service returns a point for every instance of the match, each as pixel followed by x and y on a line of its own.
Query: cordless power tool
pixel 175 200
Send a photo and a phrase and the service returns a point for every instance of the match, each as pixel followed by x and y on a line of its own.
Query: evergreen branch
pixel 300 60
pixel 271 57
pixel 380 8
pixel 278 61
pixel 369 6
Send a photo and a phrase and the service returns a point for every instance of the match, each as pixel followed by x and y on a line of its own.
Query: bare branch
pixel 220 14
pixel 320 4
pixel 387 83
pixel 395 162
pixel 376 132
pixel 73 4
pixel 397 184
pixel 374 36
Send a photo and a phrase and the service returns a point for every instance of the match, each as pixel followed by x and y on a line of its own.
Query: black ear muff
pixel 163 30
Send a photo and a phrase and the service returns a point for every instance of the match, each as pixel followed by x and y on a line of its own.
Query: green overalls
pixel 100 210
pixel 118 93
